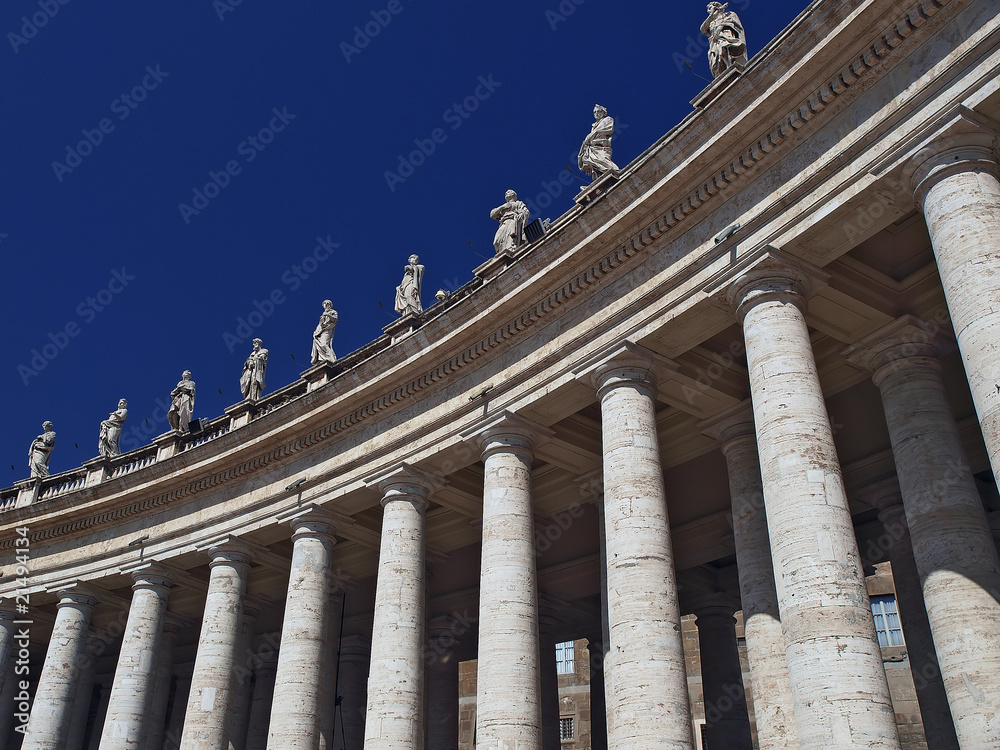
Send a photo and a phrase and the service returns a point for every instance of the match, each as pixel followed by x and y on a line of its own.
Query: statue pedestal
pixel 403 327
pixel 712 91
pixel 98 470
pixel 318 375
pixel 167 444
pixel 596 189
pixel 239 414
pixel 28 491
pixel 492 268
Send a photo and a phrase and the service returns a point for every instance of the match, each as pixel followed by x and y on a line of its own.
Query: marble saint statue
pixel 595 153
pixel 727 41
pixel 513 217
pixel 40 450
pixel 252 379
pixel 111 431
pixel 322 350
pixel 408 291
pixel 181 403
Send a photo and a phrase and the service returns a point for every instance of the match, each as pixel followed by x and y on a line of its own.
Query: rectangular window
pixel 566 728
pixel 564 658
pixel 887 625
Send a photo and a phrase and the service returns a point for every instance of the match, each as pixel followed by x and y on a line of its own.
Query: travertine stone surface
pixel 295 712
pixel 52 709
pixel 834 662
pixel 172 627
pixel 132 689
pixel 263 697
pixel 950 536
pixel 931 696
pixel 508 700
pixel 206 722
pixel 239 716
pixel 957 185
pixel 442 685
pixel 394 719
pixel 355 653
pixel 645 679
pixel 774 711
pixel 727 723
pixel 84 693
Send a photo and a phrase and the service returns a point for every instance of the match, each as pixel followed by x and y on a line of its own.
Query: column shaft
pixel 508 701
pixel 52 710
pixel 442 685
pixel 727 723
pixel 260 706
pixel 394 720
pixel 84 696
pixel 958 189
pixel 132 690
pixel 331 670
pixel 161 689
pixel 295 713
pixel 834 663
pixel 645 677
pixel 772 692
pixel 206 722
pixel 352 691
pixel 952 543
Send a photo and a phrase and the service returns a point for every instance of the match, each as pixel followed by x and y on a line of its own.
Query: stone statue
pixel 181 403
pixel 727 42
pixel 322 350
pixel 595 153
pixel 252 379
pixel 408 291
pixel 111 431
pixel 40 450
pixel 513 217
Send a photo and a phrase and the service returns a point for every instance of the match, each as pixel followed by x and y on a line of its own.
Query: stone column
pixel 727 722
pixel 394 719
pixel 263 697
pixel 772 692
pixel 352 692
pixel 598 704
pixel 934 711
pixel 135 676
pixel 442 684
pixel 206 722
pixel 84 694
pixel 172 627
pixel 295 713
pixel 834 663
pixel 239 717
pixel 508 700
pixel 547 673
pixel 950 536
pixel 956 183
pixel 7 702
pixel 52 709
pixel 330 670
pixel 175 722
pixel 645 678
pixel 7 644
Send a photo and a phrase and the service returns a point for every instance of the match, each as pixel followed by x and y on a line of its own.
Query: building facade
pixel 757 362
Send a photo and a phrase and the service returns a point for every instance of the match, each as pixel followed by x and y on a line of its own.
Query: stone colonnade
pixel 815 663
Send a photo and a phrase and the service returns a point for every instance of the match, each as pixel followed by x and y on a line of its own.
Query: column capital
pixel 152 574
pixel 719 605
pixel 405 482
pixel 509 432
pixel 356 648
pixel 906 337
pixel 627 364
pixel 774 277
pixel 77 594
pixel 230 549
pixel 310 520
pixel 730 425
pixel 968 141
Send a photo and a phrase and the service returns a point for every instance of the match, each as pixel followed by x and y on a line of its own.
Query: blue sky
pixel 171 169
